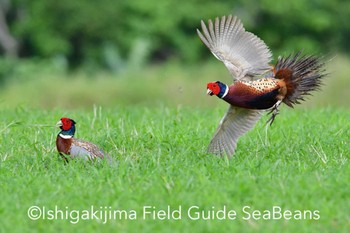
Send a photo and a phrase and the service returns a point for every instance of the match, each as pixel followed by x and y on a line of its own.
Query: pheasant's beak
pixel 209 92
pixel 59 123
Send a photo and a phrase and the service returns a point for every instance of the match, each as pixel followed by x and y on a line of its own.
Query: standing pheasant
pixel 257 86
pixel 68 145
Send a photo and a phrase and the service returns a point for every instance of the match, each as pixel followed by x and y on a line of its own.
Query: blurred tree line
pixel 120 33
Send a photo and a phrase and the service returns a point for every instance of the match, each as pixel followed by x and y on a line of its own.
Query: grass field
pixel 156 124
pixel 301 163
pixel 172 84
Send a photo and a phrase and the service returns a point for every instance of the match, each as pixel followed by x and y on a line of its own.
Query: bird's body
pixel 78 148
pixel 257 85
pixel 260 94
pixel 75 148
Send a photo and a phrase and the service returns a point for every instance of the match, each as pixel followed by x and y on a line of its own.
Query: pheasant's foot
pixel 274 112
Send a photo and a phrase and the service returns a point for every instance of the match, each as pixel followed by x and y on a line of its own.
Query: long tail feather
pixel 302 75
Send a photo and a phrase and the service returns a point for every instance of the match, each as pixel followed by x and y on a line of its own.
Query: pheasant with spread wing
pixel 257 86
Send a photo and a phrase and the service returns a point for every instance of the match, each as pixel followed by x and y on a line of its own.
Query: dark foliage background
pixel 108 34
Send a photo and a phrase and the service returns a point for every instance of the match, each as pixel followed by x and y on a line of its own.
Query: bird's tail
pixel 301 74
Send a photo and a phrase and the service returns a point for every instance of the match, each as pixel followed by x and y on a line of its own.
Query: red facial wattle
pixel 66 123
pixel 214 88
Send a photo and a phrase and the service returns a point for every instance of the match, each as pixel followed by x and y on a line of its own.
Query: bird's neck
pixel 223 91
pixel 67 134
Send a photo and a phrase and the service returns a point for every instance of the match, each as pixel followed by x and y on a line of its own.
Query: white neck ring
pixel 226 91
pixel 65 136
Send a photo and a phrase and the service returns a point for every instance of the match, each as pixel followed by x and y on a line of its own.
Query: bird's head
pixel 66 123
pixel 217 88
pixel 67 126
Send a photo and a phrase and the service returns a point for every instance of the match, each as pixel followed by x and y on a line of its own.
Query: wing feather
pixel 242 52
pixel 236 122
pixel 85 150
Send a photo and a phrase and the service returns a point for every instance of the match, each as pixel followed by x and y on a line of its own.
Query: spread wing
pixel 236 122
pixel 85 150
pixel 242 52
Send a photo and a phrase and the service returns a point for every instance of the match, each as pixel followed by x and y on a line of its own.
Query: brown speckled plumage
pixel 94 151
pixel 261 85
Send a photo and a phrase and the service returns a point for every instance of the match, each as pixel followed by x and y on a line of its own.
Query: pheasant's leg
pixel 64 158
pixel 274 112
